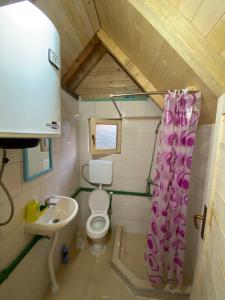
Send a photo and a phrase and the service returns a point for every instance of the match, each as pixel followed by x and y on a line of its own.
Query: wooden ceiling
pixel 76 22
pixel 166 47
pixel 161 44
pixel 107 77
pixel 208 17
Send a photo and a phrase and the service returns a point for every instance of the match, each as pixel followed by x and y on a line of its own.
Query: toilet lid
pixel 99 201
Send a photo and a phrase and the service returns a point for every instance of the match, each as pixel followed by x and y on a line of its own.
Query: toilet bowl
pixel 98 222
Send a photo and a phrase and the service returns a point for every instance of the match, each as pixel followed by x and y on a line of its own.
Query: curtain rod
pixel 146 94
pixel 78 117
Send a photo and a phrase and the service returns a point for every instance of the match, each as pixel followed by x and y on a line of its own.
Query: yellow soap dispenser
pixel 32 210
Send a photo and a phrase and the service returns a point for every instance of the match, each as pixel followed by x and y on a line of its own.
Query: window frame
pixel 92 135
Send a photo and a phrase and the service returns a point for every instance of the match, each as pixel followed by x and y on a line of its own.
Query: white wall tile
pixel 133 108
pixel 152 109
pixel 133 185
pixel 132 213
pixel 83 125
pixel 86 109
pixel 143 202
pixel 128 141
pixel 106 110
pixel 121 169
pixel 131 166
pixel 4 291
pixel 141 171
pixel 135 226
pixel 144 141
pixel 12 177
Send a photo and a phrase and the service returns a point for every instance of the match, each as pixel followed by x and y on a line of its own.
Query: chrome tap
pixel 48 203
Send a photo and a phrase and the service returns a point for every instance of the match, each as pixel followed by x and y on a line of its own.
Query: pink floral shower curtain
pixel 166 239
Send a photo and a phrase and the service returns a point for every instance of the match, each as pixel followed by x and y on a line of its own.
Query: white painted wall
pixel 30 279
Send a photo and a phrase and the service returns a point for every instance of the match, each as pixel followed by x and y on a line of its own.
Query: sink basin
pixel 55 217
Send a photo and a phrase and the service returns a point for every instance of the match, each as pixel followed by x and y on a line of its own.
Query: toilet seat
pixel 99 201
pixel 97 225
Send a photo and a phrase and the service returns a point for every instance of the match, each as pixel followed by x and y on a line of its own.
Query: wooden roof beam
pixel 207 63
pixel 80 61
pixel 134 72
pixel 89 64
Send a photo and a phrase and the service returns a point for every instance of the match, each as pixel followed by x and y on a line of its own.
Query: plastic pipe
pixel 115 192
pixel 54 285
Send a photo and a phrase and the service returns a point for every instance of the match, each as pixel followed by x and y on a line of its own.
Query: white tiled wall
pixel 199 172
pixel 30 279
pixel 130 167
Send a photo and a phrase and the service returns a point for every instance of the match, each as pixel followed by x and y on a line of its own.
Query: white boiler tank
pixel 29 73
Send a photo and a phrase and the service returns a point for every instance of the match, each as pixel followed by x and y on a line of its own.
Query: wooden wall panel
pixel 106 78
pixel 216 36
pixel 209 281
pixel 90 8
pixel 208 17
pixel 189 8
pixel 208 14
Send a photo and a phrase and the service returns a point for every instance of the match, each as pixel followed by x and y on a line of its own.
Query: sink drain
pixel 55 220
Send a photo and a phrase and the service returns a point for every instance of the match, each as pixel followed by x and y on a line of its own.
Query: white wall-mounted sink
pixel 55 217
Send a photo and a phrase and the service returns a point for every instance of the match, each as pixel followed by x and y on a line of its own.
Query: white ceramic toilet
pixel 98 223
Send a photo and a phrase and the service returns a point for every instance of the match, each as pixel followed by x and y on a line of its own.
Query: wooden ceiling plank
pixel 129 66
pixel 87 67
pixel 208 15
pixel 77 16
pixel 175 2
pixel 187 42
pixel 56 13
pixel 80 60
pixel 216 36
pixel 189 8
pixel 92 14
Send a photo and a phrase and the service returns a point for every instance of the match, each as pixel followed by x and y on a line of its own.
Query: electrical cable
pixel 5 160
pixel 85 178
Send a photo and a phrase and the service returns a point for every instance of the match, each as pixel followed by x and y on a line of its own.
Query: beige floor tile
pixel 87 277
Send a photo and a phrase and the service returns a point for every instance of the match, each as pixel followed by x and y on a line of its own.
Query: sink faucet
pixel 48 203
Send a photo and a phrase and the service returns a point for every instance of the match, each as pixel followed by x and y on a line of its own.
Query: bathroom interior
pixel 112 149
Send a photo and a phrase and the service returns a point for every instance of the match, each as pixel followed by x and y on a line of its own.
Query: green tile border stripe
pixel 115 192
pixel 4 274
pixel 121 99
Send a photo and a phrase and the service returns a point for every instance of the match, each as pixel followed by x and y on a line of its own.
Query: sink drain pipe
pixel 7 271
pixel 54 284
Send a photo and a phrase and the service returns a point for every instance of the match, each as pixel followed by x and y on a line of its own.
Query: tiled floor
pixel 133 257
pixel 87 277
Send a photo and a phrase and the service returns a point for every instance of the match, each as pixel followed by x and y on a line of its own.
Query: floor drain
pixel 55 220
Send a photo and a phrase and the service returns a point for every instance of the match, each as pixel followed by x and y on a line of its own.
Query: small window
pixel 105 136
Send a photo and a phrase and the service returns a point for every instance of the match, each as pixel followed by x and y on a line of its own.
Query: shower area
pixel 134 182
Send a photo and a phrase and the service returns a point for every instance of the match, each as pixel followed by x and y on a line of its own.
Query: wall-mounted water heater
pixel 29 76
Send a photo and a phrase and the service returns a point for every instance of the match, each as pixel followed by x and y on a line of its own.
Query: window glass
pixel 106 136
